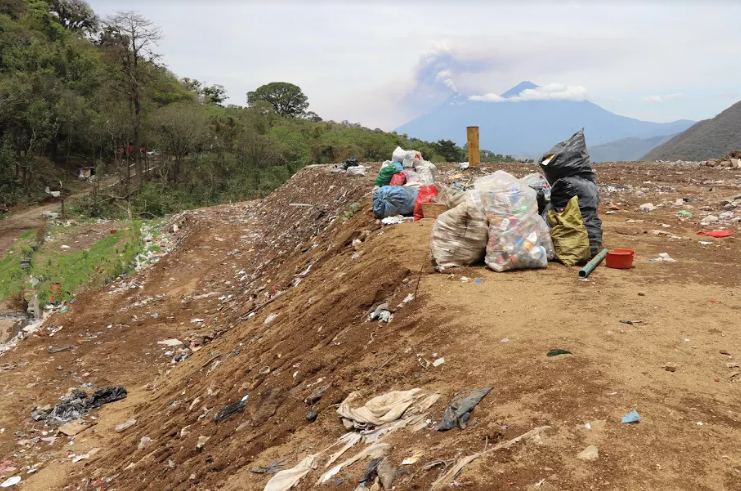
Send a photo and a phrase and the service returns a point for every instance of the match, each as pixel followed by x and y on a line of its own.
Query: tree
pixel 75 15
pixel 287 99
pixel 131 37
pixel 449 150
pixel 181 129
pixel 313 117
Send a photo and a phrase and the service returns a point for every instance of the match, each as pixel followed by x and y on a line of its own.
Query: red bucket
pixel 620 258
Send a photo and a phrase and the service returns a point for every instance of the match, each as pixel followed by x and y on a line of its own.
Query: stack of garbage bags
pixel 570 174
pixel 518 236
pixel 404 184
pixel 497 221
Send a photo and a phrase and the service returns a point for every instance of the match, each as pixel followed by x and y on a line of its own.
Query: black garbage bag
pixel 67 411
pixel 106 395
pixel 227 411
pixel 567 159
pixel 459 408
pixel 351 162
pixel 566 188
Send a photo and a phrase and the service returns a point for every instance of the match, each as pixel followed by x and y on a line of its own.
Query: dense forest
pixel 77 91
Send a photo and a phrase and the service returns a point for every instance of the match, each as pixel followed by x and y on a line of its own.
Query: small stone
pixel 670 367
pixel 641 294
pixel 589 454
pixel 120 428
pixel 144 442
pixel 202 441
pixel 732 365
pixel 311 416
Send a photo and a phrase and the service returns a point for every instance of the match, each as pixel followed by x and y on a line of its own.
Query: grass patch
pixel 354 207
pixel 94 267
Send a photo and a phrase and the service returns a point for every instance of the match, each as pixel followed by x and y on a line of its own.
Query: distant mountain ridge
pixel 627 149
pixel 708 139
pixel 533 126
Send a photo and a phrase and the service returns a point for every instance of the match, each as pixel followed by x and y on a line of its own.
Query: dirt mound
pixel 272 300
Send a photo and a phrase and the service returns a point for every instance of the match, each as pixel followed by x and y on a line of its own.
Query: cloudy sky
pixel 382 63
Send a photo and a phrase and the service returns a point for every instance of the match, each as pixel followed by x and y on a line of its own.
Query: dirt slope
pixel 310 329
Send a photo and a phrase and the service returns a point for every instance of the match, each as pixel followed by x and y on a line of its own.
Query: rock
pixel 144 442
pixel 387 473
pixel 202 441
pixel 589 454
pixel 725 163
pixel 311 416
pixel 641 294
pixel 647 207
pixel 732 365
pixel 670 367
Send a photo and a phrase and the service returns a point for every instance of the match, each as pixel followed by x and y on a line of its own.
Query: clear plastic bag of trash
pixel 459 236
pixel 408 158
pixel 519 238
pixel 538 182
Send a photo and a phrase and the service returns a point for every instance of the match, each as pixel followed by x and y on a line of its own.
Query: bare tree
pixel 132 38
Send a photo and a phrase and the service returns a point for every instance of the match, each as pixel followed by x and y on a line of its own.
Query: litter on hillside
pixel 460 407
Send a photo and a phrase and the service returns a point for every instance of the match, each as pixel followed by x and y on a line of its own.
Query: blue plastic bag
pixel 390 201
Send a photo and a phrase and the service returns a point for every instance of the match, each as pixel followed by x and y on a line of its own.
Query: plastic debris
pixel 227 411
pixel 460 407
pixel 558 351
pixel 663 257
pixel 438 362
pixel 270 318
pixel 718 234
pixel 11 481
pixel 631 417
pixel 171 343
pixel 120 428
pixel 271 468
pixel 413 459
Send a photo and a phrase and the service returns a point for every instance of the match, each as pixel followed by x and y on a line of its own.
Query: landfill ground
pixel 310 328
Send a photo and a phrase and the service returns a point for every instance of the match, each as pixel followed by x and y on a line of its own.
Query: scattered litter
pixel 381 313
pixel 373 451
pixel 647 207
pixel 670 367
pixel 504 340
pixel 732 365
pixel 264 371
pixel 558 351
pixel 718 234
pixel 631 417
pixel 438 362
pixel 460 407
pixel 120 428
pixel 454 471
pixel 86 456
pixel 72 429
pixel 270 318
pixel 316 395
pixel 285 480
pixel 465 279
pixel 53 349
pixel 684 214
pixel 11 481
pixel 227 411
pixel 663 257
pixel 271 468
pixel 393 220
pixel 702 242
pixel 170 342
pixel 413 459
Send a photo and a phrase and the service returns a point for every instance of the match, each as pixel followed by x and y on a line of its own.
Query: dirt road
pixel 622 327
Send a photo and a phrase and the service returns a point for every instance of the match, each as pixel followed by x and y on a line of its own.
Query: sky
pixel 382 63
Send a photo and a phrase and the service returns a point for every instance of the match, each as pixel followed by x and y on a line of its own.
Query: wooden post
pixel 474 158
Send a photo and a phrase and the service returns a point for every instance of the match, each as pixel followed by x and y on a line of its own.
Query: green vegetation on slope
pixel 76 91
pixel 93 267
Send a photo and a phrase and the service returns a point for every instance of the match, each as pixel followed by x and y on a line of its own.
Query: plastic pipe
pixel 586 270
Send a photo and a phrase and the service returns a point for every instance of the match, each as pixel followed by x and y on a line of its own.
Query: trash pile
pixel 77 404
pixel 523 223
pixel 404 185
pixel 368 423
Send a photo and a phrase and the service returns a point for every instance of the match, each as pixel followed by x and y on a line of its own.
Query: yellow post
pixel 474 158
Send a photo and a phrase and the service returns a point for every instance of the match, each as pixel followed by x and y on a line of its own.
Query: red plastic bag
pixel 398 179
pixel 427 194
pixel 718 234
